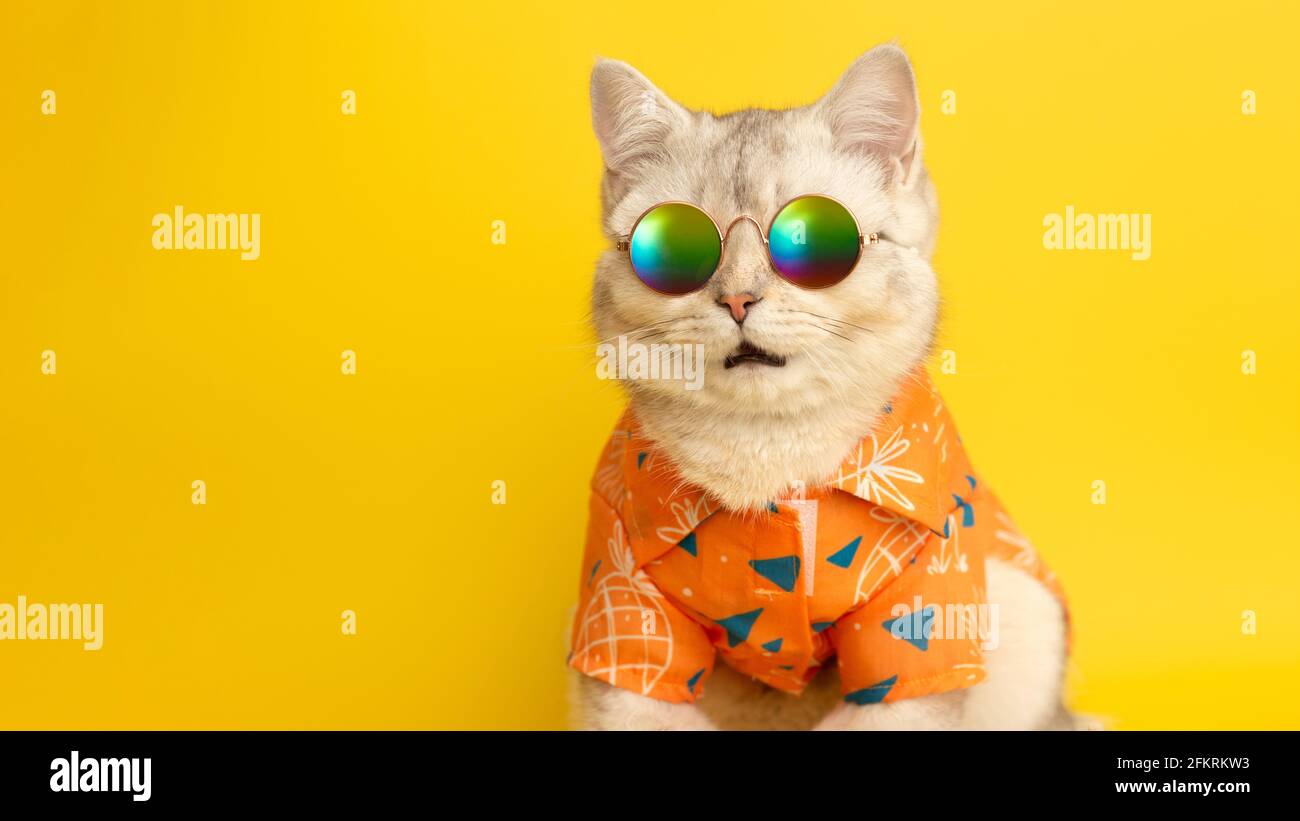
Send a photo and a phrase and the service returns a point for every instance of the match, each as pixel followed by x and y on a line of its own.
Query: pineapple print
pixel 624 636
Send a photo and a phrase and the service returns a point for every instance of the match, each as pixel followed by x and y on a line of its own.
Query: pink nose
pixel 738 305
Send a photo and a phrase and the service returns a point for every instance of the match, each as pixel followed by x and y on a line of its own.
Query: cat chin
pixel 747 454
pixel 745 391
pixel 751 432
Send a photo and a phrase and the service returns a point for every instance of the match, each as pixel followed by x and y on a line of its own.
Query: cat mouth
pixel 749 353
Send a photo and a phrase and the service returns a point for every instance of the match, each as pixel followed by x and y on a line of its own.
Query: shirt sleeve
pixel 625 631
pixel 923 633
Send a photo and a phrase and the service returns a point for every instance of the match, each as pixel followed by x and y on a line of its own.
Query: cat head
pixel 771 347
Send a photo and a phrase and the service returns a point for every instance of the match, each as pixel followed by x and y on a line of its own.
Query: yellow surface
pixel 372 492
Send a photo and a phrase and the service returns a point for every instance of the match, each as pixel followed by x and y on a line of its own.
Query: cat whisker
pixel 832 333
pixel 645 333
pixel 834 384
pixel 634 333
pixel 835 320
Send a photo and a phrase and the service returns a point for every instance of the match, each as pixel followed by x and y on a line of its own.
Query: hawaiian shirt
pixel 880 570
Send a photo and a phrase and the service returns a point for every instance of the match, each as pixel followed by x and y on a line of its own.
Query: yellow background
pixel 373 492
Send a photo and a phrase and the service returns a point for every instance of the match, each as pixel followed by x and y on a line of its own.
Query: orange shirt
pixel 882 569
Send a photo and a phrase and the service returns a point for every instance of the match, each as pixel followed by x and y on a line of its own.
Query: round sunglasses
pixel 813 242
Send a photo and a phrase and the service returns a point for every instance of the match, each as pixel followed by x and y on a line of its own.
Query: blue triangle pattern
pixel 694 680
pixel 873 694
pixel 914 628
pixel 689 545
pixel 781 571
pixel 739 625
pixel 967 512
pixel 844 556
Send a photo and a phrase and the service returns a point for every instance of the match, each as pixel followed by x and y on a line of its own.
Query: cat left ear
pixel 874 109
pixel 631 116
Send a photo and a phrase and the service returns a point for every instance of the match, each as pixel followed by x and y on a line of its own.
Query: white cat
pixel 753 432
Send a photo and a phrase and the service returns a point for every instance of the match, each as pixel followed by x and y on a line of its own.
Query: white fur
pixel 753 431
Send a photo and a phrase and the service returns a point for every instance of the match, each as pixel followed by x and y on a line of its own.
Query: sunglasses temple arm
pixel 625 243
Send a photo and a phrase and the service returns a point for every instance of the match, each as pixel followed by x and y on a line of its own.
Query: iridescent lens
pixel 814 242
pixel 675 248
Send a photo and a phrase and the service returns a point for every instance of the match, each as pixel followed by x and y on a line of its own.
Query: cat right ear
pixel 631 116
pixel 874 109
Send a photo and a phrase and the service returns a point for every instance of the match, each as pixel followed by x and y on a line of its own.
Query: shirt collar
pixel 912 463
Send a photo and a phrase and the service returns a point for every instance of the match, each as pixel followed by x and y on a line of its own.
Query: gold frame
pixel 624 242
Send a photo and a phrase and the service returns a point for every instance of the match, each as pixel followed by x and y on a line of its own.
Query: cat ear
pixel 874 109
pixel 631 116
